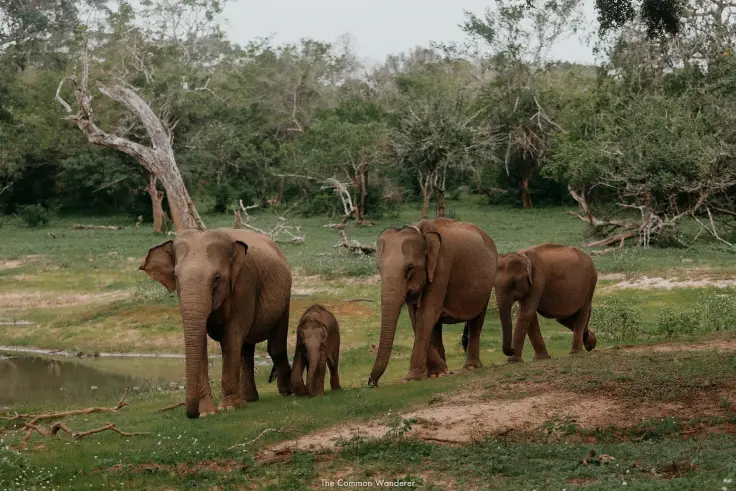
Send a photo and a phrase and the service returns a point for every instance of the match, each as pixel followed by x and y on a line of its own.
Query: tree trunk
pixel 158 158
pixel 363 189
pixel 440 202
pixel 157 198
pixel 355 179
pixel 525 198
pixel 424 183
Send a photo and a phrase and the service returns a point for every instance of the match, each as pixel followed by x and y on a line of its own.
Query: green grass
pixel 83 292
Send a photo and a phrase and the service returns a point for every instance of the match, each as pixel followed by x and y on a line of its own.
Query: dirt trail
pixel 465 421
pixel 695 279
pixel 28 300
pixel 715 345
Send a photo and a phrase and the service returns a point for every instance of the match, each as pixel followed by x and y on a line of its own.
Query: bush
pixel 671 323
pixel 716 312
pixel 34 215
pixel 616 320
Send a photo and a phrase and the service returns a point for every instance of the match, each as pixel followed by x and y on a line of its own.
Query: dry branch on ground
pixel 79 226
pixel 354 246
pixel 169 408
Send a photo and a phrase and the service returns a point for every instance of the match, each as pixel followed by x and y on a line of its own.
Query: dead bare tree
pixel 293 233
pixel 157 158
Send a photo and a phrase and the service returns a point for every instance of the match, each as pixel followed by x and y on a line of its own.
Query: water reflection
pixel 30 380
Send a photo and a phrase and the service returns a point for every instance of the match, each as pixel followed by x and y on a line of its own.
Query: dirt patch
pixel 30 300
pixel 659 283
pixel 17 263
pixel 718 345
pixel 466 419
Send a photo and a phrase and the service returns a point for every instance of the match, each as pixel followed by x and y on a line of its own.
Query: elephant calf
pixel 317 345
pixel 556 281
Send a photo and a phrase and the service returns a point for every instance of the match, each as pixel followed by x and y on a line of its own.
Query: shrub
pixel 671 323
pixel 716 312
pixel 34 215
pixel 616 320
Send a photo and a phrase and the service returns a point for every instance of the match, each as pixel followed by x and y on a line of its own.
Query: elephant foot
pixel 207 407
pixel 514 359
pixel 542 356
pixel 438 374
pixel 230 403
pixel 251 397
pixel 413 376
pixel 576 351
pixel 472 365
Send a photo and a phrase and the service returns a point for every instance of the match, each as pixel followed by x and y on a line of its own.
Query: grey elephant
pixel 443 270
pixel 235 286
pixel 317 345
pixel 554 281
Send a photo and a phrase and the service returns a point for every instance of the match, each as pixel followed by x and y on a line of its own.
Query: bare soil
pixel 29 300
pixel 466 417
pixel 716 345
pixel 692 280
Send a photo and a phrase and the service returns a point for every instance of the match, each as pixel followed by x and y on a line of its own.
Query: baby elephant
pixel 317 344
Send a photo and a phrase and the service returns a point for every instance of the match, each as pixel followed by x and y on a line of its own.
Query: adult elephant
pixel 556 281
pixel 443 270
pixel 235 286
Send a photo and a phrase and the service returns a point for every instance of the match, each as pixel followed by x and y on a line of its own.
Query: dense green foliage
pixel 299 125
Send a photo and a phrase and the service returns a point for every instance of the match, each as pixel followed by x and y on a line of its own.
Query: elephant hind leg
pixel 247 378
pixel 578 324
pixel 278 351
pixel 472 353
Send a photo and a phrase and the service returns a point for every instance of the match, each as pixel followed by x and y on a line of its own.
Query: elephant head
pixel 407 259
pixel 313 337
pixel 202 267
pixel 514 281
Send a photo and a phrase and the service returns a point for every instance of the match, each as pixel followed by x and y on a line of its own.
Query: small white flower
pixel 728 481
pixel 624 483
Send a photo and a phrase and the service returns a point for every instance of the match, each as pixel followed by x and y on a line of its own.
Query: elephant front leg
pixel 527 315
pixel 206 401
pixel 247 374
pixel 436 361
pixel 297 373
pixel 426 319
pixel 232 394
pixel 332 364
pixel 436 364
pixel 535 337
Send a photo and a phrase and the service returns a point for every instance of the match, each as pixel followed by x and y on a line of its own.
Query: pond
pixel 32 379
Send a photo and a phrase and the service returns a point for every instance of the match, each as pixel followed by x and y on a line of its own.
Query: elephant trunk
pixel 313 357
pixel 392 299
pixel 194 313
pixel 504 311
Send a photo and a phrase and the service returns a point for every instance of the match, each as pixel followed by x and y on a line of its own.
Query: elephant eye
pixel 217 277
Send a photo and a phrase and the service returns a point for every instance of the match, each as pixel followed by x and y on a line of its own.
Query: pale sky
pixel 377 27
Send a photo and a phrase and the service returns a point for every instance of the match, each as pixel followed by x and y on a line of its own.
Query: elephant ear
pixel 528 263
pixel 434 241
pixel 159 265
pixel 240 250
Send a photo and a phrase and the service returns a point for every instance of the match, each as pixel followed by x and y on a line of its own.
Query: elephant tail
pixel 273 374
pixel 465 337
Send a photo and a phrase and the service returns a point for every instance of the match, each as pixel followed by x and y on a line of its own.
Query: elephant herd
pixel 235 286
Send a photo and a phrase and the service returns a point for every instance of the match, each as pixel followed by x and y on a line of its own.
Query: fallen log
pixel 612 240
pixel 354 246
pixel 79 226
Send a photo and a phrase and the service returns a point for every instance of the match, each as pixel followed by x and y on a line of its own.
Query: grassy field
pixel 657 417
